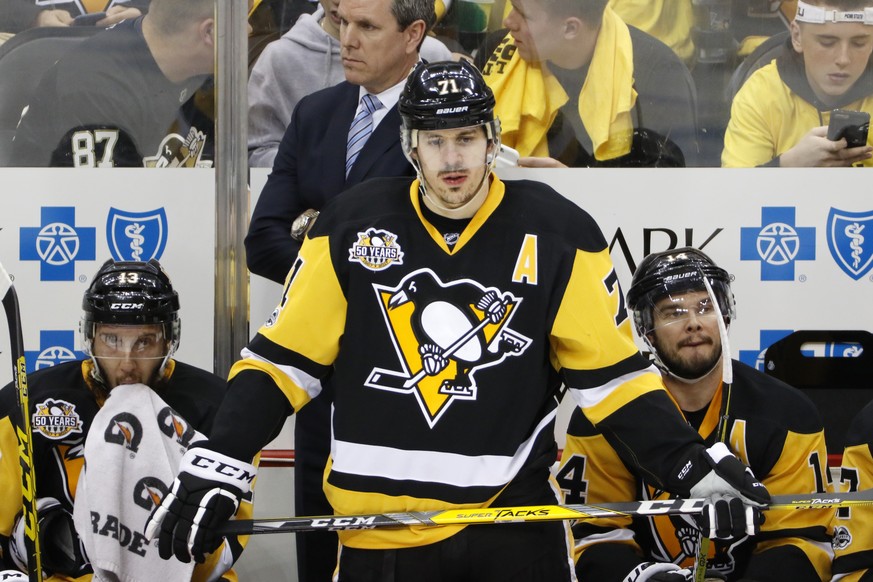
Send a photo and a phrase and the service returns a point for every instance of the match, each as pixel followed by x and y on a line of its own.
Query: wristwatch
pixel 303 223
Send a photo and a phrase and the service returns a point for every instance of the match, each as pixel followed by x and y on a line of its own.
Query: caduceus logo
pixel 848 241
pixel 136 236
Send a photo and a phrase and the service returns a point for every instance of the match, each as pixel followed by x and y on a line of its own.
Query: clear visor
pixel 141 342
pixel 683 309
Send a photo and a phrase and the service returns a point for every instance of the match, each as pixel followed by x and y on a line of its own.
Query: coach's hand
pixel 205 494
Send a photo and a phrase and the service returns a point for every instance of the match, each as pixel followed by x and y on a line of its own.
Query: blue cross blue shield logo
pixel 851 241
pixel 136 236
pixel 57 243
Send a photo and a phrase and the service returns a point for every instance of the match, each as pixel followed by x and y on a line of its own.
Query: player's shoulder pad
pixel 194 378
pixel 771 398
pixel 549 212
pixel 376 197
pixel 860 430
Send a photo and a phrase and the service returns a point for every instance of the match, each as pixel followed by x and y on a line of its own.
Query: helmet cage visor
pixel 140 341
pixel 664 298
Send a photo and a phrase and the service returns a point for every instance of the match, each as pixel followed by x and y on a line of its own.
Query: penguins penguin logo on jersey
pixel 178 152
pixel 443 333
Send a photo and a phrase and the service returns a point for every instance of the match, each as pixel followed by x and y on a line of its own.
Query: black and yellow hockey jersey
pixel 853 534
pixel 772 428
pixel 447 362
pixel 108 104
pixel 63 407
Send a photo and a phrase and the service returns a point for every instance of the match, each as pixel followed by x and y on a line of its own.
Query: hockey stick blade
pixel 523 514
pixel 23 429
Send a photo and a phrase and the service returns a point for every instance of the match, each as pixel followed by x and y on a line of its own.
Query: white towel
pixel 132 455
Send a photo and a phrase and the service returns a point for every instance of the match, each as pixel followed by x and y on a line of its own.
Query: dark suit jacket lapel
pixel 386 136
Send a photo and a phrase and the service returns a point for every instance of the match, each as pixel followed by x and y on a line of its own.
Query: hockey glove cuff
pixel 62 550
pixel 204 496
pixel 13 576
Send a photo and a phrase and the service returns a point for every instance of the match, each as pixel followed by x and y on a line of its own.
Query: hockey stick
pixel 487 515
pixel 23 430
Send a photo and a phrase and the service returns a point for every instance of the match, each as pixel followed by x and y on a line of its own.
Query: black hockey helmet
pixel 131 293
pixel 445 95
pixel 676 272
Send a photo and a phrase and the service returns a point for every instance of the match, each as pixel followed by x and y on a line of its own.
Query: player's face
pixel 129 354
pixel 686 333
pixel 453 163
pixel 533 29
pixel 376 54
pixel 835 55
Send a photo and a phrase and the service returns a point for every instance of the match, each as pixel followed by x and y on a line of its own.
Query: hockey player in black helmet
pixel 662 286
pixel 447 312
pixel 130 328
pixel 447 115
pixel 682 305
pixel 130 324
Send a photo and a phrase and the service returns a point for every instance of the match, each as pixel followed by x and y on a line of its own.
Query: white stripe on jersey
pixel 310 384
pixel 434 467
pixel 593 396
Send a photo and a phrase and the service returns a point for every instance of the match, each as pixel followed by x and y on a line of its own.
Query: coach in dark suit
pixel 378 52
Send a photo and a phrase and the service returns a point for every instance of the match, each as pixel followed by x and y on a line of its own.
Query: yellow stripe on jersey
pixel 309 320
pixel 10 476
pixel 492 201
pixel 853 526
pixel 800 469
pixel 585 335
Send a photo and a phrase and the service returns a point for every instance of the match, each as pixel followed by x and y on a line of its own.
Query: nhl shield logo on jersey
pixel 376 250
pixel 136 236
pixel 55 419
pixel 443 333
pixel 850 248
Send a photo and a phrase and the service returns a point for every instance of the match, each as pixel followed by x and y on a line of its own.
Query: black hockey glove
pixel 61 549
pixel 735 495
pixel 204 496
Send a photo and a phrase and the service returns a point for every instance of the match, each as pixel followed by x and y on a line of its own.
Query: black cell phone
pixel 89 19
pixel 852 125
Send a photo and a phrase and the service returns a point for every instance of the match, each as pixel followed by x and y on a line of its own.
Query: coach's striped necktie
pixel 362 127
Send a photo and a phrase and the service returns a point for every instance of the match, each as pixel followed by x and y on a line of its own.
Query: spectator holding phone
pixel 780 116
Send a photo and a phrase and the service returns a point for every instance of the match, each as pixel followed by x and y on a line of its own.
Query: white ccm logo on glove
pixel 224 469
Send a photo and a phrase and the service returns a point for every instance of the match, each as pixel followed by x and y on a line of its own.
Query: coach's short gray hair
pixel 408 11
